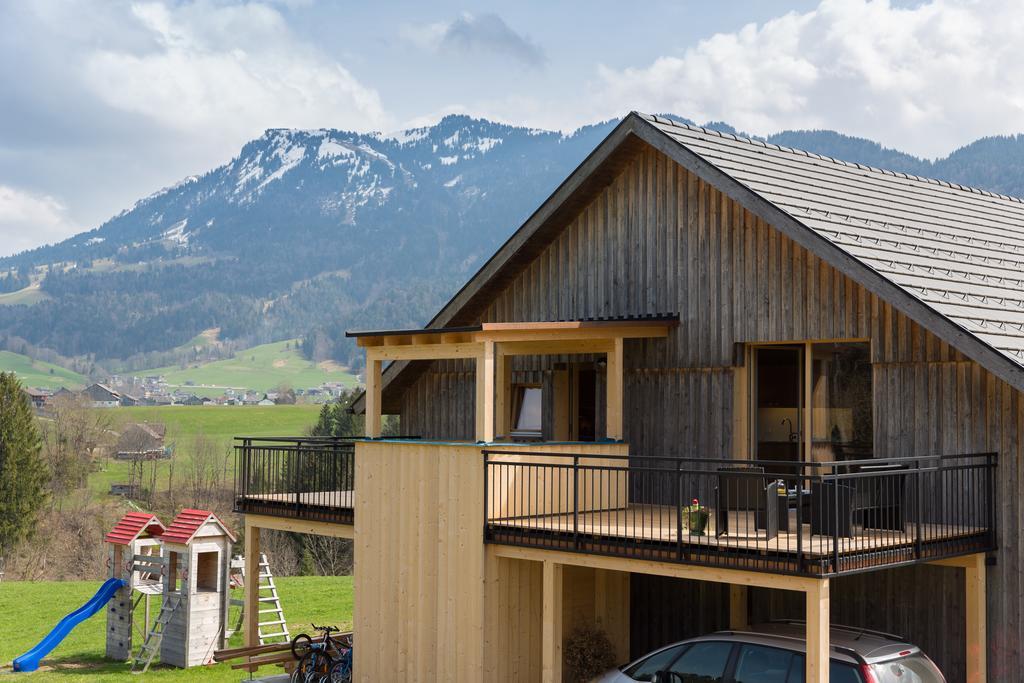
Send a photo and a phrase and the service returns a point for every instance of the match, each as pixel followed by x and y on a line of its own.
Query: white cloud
pixel 29 220
pixel 924 79
pixel 221 71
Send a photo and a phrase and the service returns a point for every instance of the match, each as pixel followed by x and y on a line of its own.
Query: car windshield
pixel 915 668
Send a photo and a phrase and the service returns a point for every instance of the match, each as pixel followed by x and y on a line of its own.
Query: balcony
pixel 807 519
pixel 305 478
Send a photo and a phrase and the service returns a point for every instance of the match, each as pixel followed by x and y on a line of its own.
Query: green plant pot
pixel 696 521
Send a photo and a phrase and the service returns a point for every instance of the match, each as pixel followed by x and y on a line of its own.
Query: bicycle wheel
pixel 341 671
pixel 313 668
pixel 301 645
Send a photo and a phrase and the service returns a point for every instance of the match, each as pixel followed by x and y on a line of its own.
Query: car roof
pixel 847 643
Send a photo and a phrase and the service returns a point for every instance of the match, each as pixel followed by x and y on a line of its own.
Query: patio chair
pixel 747 490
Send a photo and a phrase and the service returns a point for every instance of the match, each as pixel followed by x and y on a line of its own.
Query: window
pixel 206 571
pixel 838 672
pixel 761 664
pixel 527 410
pixel 645 669
pixel 704 662
pixel 811 402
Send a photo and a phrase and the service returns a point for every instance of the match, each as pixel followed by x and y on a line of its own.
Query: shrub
pixel 588 653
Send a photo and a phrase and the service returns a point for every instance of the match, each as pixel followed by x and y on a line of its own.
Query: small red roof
pixel 133 525
pixel 188 522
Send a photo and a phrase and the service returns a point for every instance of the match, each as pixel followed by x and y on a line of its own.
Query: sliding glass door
pixel 811 402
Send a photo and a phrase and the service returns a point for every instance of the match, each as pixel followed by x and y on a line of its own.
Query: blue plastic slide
pixel 30 660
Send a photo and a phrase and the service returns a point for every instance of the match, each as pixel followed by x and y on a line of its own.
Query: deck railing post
pixel 487 493
pixel 679 511
pixel 576 501
pixel 296 476
pixel 800 520
pixel 919 509
pixel 836 483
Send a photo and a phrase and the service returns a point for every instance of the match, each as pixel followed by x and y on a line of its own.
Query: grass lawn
pixel 33 373
pixel 28 610
pixel 221 423
pixel 260 368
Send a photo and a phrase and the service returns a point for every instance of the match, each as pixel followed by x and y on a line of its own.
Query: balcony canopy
pixel 491 345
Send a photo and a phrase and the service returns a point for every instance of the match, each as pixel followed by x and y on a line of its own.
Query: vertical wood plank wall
pixel 431 605
pixel 656 240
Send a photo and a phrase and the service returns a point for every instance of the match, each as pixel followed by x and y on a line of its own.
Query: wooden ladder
pixel 271 617
pixel 156 635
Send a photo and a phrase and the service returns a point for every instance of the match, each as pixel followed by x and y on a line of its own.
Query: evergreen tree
pixel 23 474
pixel 336 420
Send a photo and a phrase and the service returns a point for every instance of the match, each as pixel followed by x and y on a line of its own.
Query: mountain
pixel 311 232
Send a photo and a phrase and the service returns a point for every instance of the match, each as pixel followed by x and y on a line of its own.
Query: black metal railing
pixel 816 519
pixel 299 477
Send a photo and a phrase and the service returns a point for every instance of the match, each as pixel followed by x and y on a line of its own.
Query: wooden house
pixel 101 396
pixel 710 381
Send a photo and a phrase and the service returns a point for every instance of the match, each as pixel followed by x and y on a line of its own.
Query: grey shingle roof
pixel 959 250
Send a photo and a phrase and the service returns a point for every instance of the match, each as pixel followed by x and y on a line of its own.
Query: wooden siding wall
pixel 431 605
pixel 657 239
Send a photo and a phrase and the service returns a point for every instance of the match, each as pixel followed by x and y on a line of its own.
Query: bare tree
pixel 331 556
pixel 73 435
pixel 281 552
pixel 203 475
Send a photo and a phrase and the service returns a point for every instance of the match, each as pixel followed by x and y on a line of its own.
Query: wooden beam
pixel 485 399
pixel 614 384
pixel 301 526
pixel 426 351
pixel 251 617
pixel 551 645
pixel 556 347
pixel 373 395
pixel 583 333
pixel 503 393
pixel 738 614
pixel 818 646
pixel 671 569
pixel 974 587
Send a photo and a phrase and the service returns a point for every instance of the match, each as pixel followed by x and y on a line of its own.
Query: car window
pixel 913 669
pixel 703 663
pixel 645 669
pixel 838 672
pixel 761 664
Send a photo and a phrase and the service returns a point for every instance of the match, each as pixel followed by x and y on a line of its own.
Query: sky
pixel 105 102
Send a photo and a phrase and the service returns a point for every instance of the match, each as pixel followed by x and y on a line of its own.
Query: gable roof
pixel 188 522
pixel 949 257
pixel 133 525
pixel 956 249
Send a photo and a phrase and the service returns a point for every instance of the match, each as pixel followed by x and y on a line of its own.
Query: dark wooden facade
pixel 658 239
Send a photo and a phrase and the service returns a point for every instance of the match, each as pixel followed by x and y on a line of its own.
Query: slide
pixel 30 660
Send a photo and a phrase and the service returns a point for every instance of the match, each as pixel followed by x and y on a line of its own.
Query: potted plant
pixel 695 518
pixel 588 653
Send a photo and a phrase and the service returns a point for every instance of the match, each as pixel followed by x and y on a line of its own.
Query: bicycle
pixel 315 658
pixel 341 670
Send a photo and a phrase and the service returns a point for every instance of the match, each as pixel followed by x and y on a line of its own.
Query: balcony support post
pixel 251 617
pixel 485 394
pixel 551 640
pixel 614 392
pixel 738 619
pixel 373 391
pixel 817 662
pixel 503 392
pixel 975 607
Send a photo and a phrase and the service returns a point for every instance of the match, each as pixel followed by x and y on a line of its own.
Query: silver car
pixel 774 653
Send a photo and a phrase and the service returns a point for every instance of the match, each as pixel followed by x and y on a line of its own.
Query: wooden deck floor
pixel 327 499
pixel 658 524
